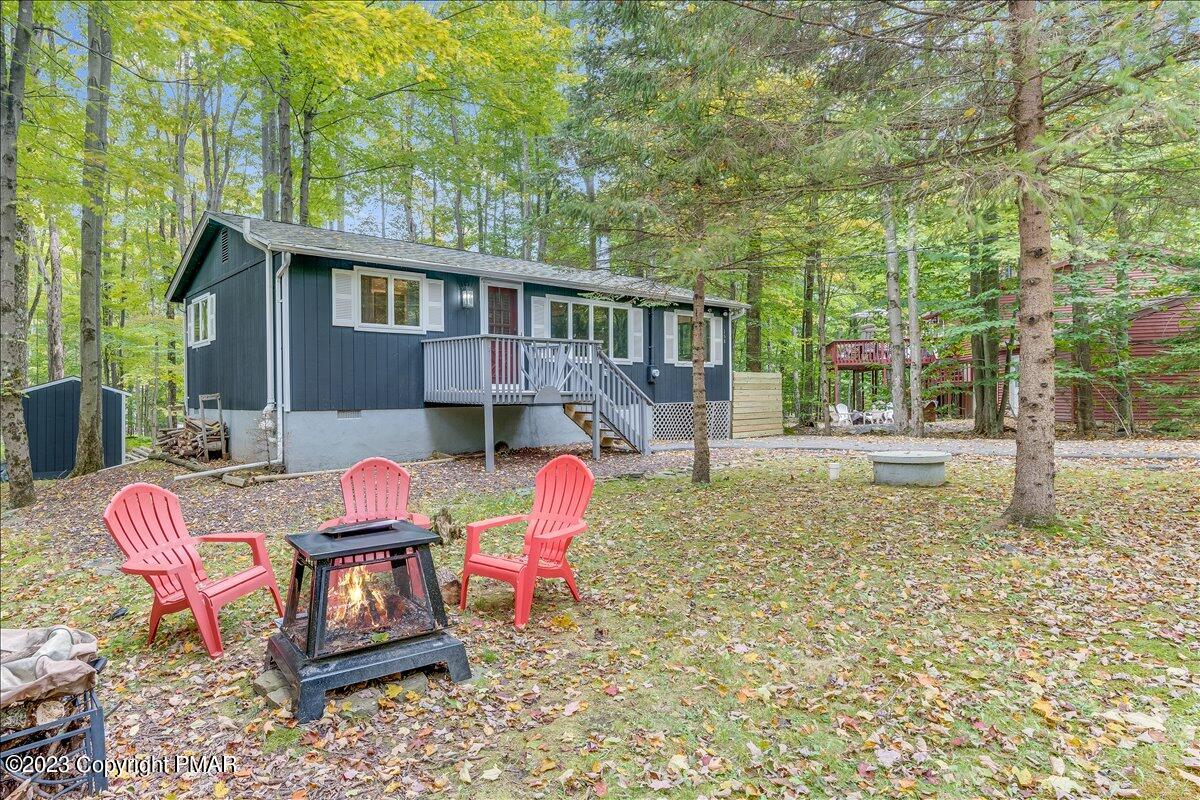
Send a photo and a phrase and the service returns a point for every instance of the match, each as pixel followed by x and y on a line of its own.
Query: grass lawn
pixel 773 634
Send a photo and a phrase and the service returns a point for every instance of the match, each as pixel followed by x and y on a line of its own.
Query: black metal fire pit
pixel 363 603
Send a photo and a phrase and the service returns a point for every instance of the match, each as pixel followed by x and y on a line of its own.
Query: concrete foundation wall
pixel 246 442
pixel 325 440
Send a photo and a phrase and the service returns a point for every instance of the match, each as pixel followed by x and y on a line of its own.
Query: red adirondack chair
pixel 376 488
pixel 561 494
pixel 147 524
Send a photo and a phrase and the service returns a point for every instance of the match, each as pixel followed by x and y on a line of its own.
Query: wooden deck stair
pixel 493 370
pixel 609 438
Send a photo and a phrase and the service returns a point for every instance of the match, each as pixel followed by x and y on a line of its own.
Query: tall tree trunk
pixel 811 264
pixel 179 190
pixel 754 287
pixel 56 357
pixel 1033 487
pixel 410 218
pixel 1120 329
pixel 797 399
pixel 270 170
pixel 460 233
pixel 822 289
pixel 992 411
pixel 543 221
pixel 383 208
pixel 701 458
pixel 433 193
pixel 916 403
pixel 284 114
pixel 894 317
pixel 975 293
pixel 89 450
pixel 340 198
pixel 1083 405
pixel 481 203
pixel 589 189
pixel 526 209
pixel 306 134
pixel 14 273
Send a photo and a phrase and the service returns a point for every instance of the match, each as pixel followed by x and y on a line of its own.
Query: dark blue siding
pixel 52 419
pixel 235 363
pixel 339 368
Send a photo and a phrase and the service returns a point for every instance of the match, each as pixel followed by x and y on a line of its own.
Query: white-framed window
pixel 387 301
pixel 617 326
pixel 201 320
pixel 677 339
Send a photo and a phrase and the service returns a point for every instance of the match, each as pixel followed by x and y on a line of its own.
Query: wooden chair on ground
pixel 561 494
pixel 147 524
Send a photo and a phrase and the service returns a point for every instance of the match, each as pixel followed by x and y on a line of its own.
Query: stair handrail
pixel 621 376
pixel 636 433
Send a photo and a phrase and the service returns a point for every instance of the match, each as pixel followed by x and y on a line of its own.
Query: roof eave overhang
pixel 181 269
pixel 417 263
pixel 351 255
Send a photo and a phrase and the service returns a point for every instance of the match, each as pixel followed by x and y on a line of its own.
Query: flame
pixel 362 604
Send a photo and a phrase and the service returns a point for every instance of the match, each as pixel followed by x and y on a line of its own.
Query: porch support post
pixel 485 384
pixel 594 351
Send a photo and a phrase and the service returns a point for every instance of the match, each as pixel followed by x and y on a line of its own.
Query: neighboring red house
pixel 1156 321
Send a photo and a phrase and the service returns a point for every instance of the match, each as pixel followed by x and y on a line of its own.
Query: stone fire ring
pixel 909 467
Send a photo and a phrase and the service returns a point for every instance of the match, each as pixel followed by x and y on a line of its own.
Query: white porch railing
pixel 492 370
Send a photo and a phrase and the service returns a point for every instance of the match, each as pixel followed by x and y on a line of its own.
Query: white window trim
pixel 587 301
pixel 207 300
pixel 713 319
pixel 483 304
pixel 359 325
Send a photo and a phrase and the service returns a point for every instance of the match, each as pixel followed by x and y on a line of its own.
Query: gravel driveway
pixel 854 443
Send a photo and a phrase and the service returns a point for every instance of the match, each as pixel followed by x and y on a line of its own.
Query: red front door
pixel 502 319
pixel 502 310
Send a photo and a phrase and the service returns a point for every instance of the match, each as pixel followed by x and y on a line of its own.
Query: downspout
pixel 282 366
pixel 272 324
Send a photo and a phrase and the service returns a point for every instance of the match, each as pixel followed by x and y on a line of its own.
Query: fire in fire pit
pixel 362 604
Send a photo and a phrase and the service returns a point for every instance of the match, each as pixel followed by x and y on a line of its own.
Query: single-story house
pixel 350 345
pixel 52 420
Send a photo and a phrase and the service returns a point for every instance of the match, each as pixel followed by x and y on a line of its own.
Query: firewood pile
pixel 188 441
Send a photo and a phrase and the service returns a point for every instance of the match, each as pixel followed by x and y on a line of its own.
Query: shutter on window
pixel 189 312
pixel 343 297
pixel 211 307
pixel 716 329
pixel 539 311
pixel 637 342
pixel 670 331
pixel 435 305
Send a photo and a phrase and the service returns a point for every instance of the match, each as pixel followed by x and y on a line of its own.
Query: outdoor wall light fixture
pixel 467 296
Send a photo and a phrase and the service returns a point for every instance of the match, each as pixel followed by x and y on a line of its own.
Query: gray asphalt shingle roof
pixel 352 246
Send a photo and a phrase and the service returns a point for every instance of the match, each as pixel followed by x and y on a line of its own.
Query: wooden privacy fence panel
pixel 757 404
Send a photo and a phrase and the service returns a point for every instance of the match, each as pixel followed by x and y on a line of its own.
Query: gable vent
pixel 224 246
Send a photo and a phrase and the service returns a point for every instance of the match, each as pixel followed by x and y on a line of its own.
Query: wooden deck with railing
pixel 490 370
pixel 867 354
